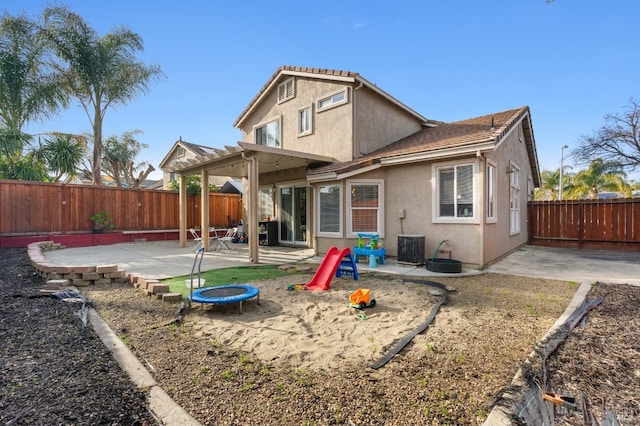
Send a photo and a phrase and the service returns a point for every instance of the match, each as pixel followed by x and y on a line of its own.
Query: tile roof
pixel 459 133
pixel 464 133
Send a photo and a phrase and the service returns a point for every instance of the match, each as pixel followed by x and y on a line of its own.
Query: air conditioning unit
pixel 411 249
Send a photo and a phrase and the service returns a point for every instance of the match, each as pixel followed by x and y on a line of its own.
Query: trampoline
pixel 226 294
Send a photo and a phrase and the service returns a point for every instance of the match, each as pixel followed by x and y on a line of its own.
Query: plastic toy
pixel 332 266
pixel 362 298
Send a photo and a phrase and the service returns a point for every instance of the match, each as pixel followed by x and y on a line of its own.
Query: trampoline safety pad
pixel 233 293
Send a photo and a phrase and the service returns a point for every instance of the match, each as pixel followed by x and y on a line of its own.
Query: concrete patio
pixel 165 259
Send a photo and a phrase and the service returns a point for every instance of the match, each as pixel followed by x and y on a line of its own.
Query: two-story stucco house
pixel 328 155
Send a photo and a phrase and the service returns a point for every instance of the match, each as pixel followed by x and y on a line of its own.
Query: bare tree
pixel 618 141
pixel 119 158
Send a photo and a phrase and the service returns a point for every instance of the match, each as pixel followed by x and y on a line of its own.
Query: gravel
pixel 54 369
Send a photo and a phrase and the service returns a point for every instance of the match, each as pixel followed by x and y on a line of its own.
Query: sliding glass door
pixel 293 208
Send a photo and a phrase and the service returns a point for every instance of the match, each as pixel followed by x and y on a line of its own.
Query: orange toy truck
pixel 362 298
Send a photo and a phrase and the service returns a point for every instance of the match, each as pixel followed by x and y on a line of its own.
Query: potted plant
pixel 101 221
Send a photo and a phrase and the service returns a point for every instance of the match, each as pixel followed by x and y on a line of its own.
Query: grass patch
pixel 235 275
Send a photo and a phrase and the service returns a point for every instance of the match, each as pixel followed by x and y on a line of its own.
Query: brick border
pixel 79 276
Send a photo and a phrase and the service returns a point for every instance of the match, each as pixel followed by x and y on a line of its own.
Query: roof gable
pixel 287 71
pixel 195 149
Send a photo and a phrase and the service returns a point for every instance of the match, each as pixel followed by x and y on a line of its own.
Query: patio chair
pixel 213 238
pixel 226 241
pixel 196 238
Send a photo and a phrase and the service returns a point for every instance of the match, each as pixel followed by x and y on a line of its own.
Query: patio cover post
pixel 204 208
pixel 252 225
pixel 182 207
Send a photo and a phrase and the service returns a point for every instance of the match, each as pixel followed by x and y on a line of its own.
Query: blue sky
pixel 572 62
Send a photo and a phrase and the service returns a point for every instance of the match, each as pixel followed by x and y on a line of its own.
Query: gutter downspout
pixel 483 210
pixel 355 146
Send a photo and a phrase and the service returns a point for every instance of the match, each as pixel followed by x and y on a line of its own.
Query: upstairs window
pixel 304 121
pixel 180 152
pixel 286 90
pixel 269 134
pixel 332 100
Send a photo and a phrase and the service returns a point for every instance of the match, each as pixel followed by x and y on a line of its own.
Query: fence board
pixel 28 208
pixel 610 223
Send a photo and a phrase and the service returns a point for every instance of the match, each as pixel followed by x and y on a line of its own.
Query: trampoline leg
pixel 241 306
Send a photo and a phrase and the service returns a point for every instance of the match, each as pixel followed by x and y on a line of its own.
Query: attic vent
pixel 286 90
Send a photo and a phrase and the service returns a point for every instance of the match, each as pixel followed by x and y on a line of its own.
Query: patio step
pixel 158 288
pixel 170 297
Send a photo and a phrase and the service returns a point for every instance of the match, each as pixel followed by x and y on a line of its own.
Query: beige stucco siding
pixel 332 131
pixel 463 237
pixel 378 121
pixel 497 240
pixel 409 188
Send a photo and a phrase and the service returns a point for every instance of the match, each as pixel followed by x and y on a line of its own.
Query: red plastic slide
pixel 327 269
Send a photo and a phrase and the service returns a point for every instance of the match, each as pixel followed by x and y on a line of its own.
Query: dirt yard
pixel 450 374
pixel 55 371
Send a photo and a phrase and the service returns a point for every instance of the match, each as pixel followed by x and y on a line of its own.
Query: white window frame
pixel 308 130
pixel 265 195
pixel 380 213
pixel 180 152
pixel 265 124
pixel 491 193
pixel 520 133
pixel 514 199
pixel 332 100
pixel 318 191
pixel 435 193
pixel 286 90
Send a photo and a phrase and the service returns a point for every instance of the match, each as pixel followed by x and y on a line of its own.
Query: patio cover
pixel 247 161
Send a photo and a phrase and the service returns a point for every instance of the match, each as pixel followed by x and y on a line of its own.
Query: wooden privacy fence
pixel 608 224
pixel 31 208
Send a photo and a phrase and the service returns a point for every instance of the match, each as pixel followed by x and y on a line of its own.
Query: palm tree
pixel 62 153
pixel 23 167
pixel 550 183
pixel 100 71
pixel 597 177
pixel 29 90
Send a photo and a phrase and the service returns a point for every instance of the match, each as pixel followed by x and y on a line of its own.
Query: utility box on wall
pixel 411 249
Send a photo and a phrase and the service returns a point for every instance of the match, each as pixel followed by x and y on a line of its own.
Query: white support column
pixel 204 208
pixel 182 207
pixel 252 223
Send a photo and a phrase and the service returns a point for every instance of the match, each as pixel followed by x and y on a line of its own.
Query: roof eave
pixel 333 176
pixel 460 151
